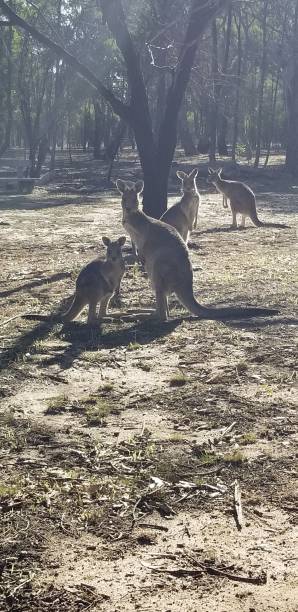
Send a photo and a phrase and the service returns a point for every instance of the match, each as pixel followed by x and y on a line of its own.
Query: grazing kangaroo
pixel 242 200
pixel 98 281
pixel 184 214
pixel 166 259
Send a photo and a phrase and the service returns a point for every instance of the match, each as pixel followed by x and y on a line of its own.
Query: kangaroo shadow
pixel 84 338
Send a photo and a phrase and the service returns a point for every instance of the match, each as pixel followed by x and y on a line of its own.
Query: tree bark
pixel 6 140
pixel 237 101
pixel 261 86
pixel 292 104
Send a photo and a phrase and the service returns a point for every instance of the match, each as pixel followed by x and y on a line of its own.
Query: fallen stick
pixel 180 571
pixel 238 506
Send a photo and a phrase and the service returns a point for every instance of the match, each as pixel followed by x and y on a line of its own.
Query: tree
pixel 292 101
pixel 156 152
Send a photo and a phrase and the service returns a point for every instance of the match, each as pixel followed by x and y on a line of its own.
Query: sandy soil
pixel 120 446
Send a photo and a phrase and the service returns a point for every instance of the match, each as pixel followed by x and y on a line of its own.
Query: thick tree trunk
pixel 292 104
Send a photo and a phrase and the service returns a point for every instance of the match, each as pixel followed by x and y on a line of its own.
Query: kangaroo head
pixel 188 180
pixel 130 193
pixel 214 176
pixel 114 252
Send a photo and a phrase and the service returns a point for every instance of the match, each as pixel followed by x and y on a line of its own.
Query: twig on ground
pixel 238 506
pixel 180 571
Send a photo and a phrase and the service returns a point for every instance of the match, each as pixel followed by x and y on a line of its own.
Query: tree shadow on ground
pixel 27 203
pixel 36 283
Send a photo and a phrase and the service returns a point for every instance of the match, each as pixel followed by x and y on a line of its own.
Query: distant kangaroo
pixel 242 200
pixel 98 281
pixel 166 259
pixel 184 214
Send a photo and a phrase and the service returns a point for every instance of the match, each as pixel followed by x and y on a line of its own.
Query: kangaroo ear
pixel 139 186
pixel 181 175
pixel 121 185
pixel 106 241
pixel 122 240
pixel 193 173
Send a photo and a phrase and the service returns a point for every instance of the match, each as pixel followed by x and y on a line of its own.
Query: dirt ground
pixel 120 445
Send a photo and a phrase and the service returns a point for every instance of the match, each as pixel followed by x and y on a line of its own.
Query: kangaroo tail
pixel 75 309
pixel 256 221
pixel 188 300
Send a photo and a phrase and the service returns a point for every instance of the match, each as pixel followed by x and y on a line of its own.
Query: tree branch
pixel 121 109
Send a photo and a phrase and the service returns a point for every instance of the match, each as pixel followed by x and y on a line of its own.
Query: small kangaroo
pixel 98 281
pixel 184 214
pixel 242 198
pixel 166 259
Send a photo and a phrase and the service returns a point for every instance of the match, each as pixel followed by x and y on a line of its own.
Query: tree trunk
pixel 292 104
pixel 6 140
pixel 213 116
pixel 185 133
pixel 261 87
pixel 237 101
pixel 98 130
pixel 223 120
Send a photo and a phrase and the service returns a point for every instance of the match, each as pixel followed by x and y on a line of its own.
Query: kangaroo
pixel 98 281
pixel 166 258
pixel 184 214
pixel 242 200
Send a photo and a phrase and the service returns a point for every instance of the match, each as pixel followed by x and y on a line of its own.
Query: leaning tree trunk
pixel 292 104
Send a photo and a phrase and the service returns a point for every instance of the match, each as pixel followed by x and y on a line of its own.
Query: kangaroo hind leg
pixel 92 312
pixel 162 308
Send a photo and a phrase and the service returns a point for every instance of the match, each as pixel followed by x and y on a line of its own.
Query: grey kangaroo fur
pixel 166 259
pixel 98 281
pixel 184 214
pixel 242 200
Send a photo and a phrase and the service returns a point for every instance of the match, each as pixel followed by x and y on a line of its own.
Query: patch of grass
pixel 92 356
pixel 208 459
pixel 236 457
pixel 178 380
pixel 176 437
pixel 134 346
pixel 107 388
pixel 8 491
pixel 57 404
pixel 248 438
pixel 96 409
